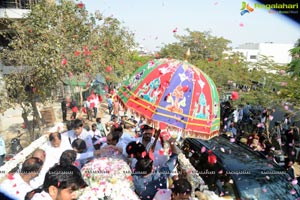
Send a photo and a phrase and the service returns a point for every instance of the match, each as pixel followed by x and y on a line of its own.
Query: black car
pixel 239 172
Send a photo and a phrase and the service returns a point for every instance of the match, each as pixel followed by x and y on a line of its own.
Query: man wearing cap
pixel 147 140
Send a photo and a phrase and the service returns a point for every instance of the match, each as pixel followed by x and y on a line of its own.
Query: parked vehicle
pixel 239 172
pixel 15 147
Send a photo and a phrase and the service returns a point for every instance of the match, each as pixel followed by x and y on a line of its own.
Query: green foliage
pixel 294 65
pixel 115 49
pixel 263 83
pixel 54 43
pixel 202 45
pixel 57 40
pixel 138 60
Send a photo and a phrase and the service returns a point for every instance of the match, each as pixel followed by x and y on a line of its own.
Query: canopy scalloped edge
pixel 155 124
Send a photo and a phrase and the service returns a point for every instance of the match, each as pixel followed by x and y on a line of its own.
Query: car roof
pixel 250 170
pixel 236 157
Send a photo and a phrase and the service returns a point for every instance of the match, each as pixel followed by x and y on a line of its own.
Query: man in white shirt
pixel 81 133
pixel 113 139
pixel 147 140
pixel 17 185
pixel 124 137
pixel 54 148
pixel 94 132
pixel 96 102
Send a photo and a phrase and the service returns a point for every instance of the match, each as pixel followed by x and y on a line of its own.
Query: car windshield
pixel 267 185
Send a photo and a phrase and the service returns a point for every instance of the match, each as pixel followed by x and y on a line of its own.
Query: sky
pixel 153 21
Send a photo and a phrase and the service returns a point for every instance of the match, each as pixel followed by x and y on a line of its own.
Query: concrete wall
pixel 13 13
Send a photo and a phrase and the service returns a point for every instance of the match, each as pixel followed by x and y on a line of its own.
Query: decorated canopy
pixel 175 93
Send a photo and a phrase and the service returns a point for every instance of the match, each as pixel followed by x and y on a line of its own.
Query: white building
pixel 279 53
pixel 15 9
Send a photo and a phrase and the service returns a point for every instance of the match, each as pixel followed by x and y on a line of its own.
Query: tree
pixel 203 46
pixel 55 41
pixel 261 83
pixel 294 65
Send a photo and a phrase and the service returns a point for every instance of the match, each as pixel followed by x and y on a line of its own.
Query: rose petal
pixel 203 149
pixel 294 182
pixel 264 190
pixel 293 192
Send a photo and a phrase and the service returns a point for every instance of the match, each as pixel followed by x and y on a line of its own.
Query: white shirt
pixel 95 133
pixel 87 104
pixel 52 157
pixel 84 135
pixel 126 138
pixel 236 115
pixel 16 188
pixel 163 194
pixel 43 195
pixel 159 159
pixel 95 100
pixel 2 146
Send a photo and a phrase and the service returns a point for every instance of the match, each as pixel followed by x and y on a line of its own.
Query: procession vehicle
pixel 237 171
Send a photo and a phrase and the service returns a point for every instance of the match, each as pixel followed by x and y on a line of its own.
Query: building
pixel 15 9
pixel 278 52
pixel 12 10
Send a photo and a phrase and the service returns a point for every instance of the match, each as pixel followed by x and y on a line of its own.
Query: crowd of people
pixel 251 126
pixel 53 170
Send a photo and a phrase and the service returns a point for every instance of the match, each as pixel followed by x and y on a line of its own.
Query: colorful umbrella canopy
pixel 175 93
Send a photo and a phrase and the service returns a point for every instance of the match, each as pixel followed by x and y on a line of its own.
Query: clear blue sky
pixel 153 21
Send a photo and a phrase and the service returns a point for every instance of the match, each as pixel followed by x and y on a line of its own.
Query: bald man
pixel 18 185
pixel 39 153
